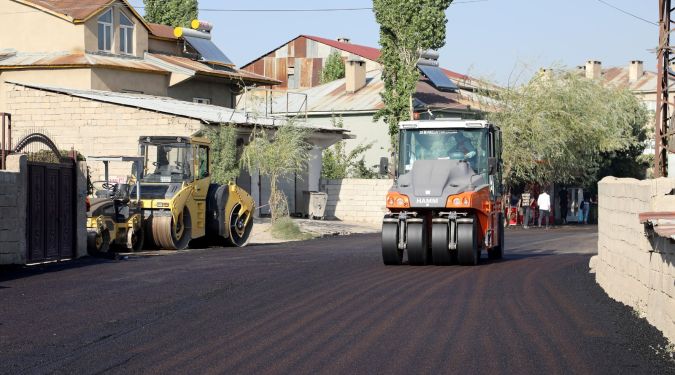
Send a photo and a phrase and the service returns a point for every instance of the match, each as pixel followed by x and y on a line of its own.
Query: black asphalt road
pixel 325 306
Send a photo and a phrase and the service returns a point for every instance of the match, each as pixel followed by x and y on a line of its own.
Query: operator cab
pixel 171 162
pixel 474 143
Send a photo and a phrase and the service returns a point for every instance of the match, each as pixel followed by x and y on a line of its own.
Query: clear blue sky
pixel 489 39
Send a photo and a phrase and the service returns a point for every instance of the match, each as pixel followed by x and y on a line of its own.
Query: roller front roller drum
pixel 170 235
pixel 239 228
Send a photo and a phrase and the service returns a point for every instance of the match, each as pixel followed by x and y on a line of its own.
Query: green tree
pixel 171 12
pixel 406 29
pixel 283 153
pixel 337 163
pixel 334 68
pixel 559 126
pixel 224 165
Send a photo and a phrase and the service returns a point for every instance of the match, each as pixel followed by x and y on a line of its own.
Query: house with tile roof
pixel 95 76
pixel 106 45
pixel 356 98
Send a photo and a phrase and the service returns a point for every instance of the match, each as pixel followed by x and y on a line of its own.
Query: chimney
pixel 593 69
pixel 343 40
pixel 355 74
pixel 635 70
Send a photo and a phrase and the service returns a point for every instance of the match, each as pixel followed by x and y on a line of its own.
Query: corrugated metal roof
pixel 66 60
pixel 332 97
pixel 619 77
pixel 203 112
pixel 203 68
pixel 373 54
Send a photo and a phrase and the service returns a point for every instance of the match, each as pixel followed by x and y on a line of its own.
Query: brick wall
pixel 13 199
pixel 90 127
pixel 631 268
pixel 356 200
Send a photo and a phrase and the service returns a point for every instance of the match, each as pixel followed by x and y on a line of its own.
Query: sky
pixel 505 41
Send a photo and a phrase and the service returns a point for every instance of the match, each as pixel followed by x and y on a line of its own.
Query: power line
pixel 278 10
pixel 628 13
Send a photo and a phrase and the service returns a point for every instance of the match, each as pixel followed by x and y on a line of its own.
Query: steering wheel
pixel 112 187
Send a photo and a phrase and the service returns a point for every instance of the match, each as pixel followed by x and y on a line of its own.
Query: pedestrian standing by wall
pixel 525 201
pixel 585 208
pixel 544 203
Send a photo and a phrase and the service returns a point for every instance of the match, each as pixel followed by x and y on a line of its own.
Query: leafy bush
pixel 285 228
pixel 334 68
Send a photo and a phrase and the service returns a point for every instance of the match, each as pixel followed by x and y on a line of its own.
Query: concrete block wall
pixel 356 200
pixel 630 267
pixel 90 127
pixel 13 201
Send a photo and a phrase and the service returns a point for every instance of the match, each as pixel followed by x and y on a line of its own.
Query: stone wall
pixel 356 200
pixel 13 200
pixel 630 267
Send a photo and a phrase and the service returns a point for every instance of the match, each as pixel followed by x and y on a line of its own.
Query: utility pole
pixel 662 131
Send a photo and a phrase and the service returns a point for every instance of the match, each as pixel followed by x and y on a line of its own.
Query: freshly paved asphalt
pixel 325 306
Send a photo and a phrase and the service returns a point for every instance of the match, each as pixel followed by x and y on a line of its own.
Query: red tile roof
pixel 369 53
pixel 162 31
pixel 77 10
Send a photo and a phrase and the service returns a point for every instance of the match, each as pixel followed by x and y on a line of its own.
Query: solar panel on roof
pixel 208 50
pixel 438 79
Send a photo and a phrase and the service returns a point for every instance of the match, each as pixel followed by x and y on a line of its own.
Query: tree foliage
pixel 334 68
pixel 224 166
pixel 337 163
pixel 406 28
pixel 559 127
pixel 283 153
pixel 171 12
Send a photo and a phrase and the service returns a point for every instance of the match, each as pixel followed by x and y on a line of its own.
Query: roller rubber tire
pixel 238 233
pixel 440 253
pixel 416 241
pixel 139 241
pixel 391 254
pixel 98 244
pixel 467 244
pixel 497 252
pixel 166 237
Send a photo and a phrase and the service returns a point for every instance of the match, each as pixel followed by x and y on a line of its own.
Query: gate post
pixel 80 206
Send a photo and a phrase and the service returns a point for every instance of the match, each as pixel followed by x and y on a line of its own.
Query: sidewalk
pixel 320 228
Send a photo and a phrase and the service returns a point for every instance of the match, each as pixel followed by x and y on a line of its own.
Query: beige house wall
pixel 218 93
pixel 124 80
pixel 70 78
pixel 27 29
pixel 365 130
pixel 164 46
pixel 632 268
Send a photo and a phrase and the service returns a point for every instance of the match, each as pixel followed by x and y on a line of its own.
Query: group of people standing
pixel 536 208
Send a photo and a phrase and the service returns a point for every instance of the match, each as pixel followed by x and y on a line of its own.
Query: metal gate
pixel 51 201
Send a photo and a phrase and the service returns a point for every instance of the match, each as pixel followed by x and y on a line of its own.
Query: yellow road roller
pixel 179 202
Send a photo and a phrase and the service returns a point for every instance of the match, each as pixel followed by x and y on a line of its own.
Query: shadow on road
pixel 8 273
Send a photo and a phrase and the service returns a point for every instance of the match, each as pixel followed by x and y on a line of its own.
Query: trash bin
pixel 314 204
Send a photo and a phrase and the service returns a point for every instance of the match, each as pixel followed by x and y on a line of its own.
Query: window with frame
pixel 126 35
pixel 105 28
pixel 201 100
